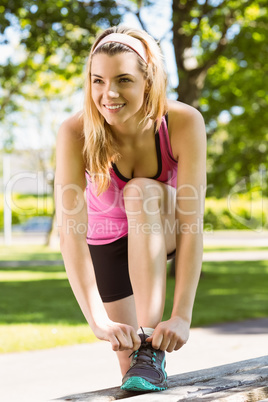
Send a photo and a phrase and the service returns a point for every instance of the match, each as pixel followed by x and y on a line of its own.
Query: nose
pixel 112 91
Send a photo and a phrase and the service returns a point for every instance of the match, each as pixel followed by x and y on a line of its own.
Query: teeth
pixel 114 107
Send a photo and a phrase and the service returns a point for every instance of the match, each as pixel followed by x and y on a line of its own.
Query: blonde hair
pixel 100 148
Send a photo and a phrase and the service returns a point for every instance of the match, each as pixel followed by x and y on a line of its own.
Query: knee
pixel 142 195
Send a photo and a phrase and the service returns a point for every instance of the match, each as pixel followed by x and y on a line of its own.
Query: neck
pixel 131 133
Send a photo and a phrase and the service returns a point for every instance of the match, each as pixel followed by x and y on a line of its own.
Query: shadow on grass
pixel 34 268
pixel 44 256
pixel 228 291
pixel 34 256
pixel 44 301
pixel 29 253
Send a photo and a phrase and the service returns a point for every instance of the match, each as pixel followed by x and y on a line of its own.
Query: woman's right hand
pixel 121 336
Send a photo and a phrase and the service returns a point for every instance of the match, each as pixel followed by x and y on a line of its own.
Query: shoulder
pixel 69 149
pixel 182 115
pixel 186 127
pixel 72 128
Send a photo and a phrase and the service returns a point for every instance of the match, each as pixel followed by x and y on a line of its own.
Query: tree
pixel 53 40
pixel 221 51
pixel 238 147
pixel 225 42
pixel 219 45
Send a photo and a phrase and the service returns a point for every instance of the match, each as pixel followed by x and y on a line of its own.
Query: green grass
pixel 28 252
pixel 23 337
pixel 38 309
pixel 228 291
pixel 209 249
pixel 36 252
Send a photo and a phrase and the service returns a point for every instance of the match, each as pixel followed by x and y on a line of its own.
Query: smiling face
pixel 118 87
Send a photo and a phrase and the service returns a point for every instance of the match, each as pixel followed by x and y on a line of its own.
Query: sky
pixel 158 22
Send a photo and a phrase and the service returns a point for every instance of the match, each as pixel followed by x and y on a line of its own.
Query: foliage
pixel 239 213
pixel 203 31
pixel 27 206
pixel 52 41
pixel 221 50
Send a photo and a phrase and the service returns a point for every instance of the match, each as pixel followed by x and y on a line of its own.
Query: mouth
pixel 114 107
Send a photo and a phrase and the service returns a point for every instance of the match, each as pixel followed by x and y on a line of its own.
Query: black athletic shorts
pixel 110 263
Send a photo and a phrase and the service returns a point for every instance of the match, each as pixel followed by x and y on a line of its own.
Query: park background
pixel 216 59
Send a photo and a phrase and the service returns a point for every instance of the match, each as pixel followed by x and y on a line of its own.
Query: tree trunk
pixel 192 74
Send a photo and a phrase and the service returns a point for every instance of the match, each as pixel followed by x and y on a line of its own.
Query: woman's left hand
pixel 170 335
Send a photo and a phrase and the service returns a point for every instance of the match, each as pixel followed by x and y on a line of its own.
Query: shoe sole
pixel 140 384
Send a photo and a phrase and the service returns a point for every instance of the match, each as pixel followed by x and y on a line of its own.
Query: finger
pixel 165 343
pixel 114 343
pixel 157 340
pixel 172 345
pixel 125 341
pixel 132 339
pixel 136 340
pixel 179 344
pixel 119 339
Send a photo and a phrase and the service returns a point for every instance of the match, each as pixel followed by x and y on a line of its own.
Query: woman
pixel 141 160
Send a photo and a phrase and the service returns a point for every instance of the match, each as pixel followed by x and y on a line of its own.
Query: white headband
pixel 132 43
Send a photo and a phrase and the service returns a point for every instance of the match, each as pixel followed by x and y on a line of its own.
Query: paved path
pixel 30 263
pixel 244 238
pixel 217 237
pixel 45 375
pixel 236 256
pixel 211 256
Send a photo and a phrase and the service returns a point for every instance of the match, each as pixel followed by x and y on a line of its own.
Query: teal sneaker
pixel 147 369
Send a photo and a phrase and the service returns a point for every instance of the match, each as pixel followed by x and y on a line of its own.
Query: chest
pixel 141 160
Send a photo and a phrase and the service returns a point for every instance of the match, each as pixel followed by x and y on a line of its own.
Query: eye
pixel 124 80
pixel 97 81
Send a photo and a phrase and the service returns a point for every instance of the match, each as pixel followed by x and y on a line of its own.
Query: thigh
pixel 169 219
pixel 145 193
pixel 110 262
pixel 167 212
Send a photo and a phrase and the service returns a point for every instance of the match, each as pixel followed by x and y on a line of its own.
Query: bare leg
pixel 149 241
pixel 149 206
pixel 123 311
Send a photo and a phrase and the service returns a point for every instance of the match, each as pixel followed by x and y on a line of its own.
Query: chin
pixel 113 120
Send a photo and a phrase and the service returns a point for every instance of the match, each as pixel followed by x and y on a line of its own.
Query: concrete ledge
pixel 242 381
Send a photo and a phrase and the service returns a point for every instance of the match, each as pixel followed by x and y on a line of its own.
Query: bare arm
pixel 70 184
pixel 188 141
pixel 190 146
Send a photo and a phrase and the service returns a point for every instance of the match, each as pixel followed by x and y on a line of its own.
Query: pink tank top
pixel 107 220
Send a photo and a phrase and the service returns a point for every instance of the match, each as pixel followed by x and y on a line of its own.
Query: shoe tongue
pixel 144 352
pixel 145 347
